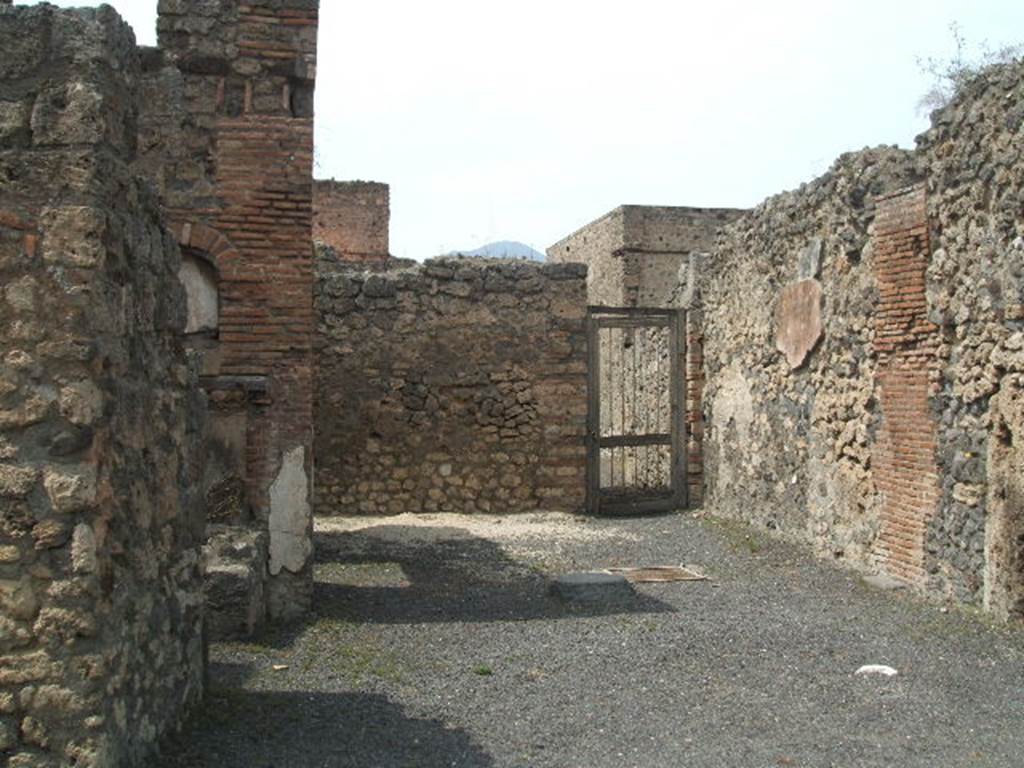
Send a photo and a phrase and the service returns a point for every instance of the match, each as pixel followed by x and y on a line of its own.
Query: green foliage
pixel 950 75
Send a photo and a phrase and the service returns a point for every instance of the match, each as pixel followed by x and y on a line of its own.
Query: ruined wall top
pixel 649 228
pixel 265 50
pixel 353 218
pixel 635 251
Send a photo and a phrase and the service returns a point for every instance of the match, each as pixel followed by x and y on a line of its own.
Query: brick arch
pixel 204 240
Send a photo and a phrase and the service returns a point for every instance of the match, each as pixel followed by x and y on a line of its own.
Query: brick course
pixel 904 457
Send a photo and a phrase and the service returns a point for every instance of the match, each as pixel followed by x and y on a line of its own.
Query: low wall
pixel 459 385
pixel 101 648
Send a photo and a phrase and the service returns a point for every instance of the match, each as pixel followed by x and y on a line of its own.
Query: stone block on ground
pixel 591 588
pixel 235 585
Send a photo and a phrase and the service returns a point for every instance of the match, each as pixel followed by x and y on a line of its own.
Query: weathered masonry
pixel 864 353
pixel 648 257
pixel 455 386
pixel 157 360
pixel 635 253
pixel 353 218
pixel 101 602
pixel 227 134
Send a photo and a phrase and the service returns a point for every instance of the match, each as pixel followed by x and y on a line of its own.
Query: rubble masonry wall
pixel 101 647
pixel 893 441
pixel 454 386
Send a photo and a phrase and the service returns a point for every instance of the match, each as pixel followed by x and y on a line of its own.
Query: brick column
pixel 904 460
pixel 234 80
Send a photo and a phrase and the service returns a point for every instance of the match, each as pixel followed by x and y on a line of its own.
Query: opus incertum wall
pixel 101 599
pixel 893 443
pixel 454 386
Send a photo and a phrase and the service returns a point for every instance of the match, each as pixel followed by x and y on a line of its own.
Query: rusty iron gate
pixel 636 425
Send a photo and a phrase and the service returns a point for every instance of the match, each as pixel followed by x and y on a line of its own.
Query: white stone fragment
pixel 876 669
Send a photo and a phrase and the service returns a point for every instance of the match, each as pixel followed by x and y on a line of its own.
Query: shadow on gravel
pixel 277 729
pixel 386 574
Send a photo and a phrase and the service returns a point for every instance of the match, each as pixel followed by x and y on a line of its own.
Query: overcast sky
pixel 525 120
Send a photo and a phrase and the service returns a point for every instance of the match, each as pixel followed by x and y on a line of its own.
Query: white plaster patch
pixel 734 403
pixel 732 406
pixel 201 295
pixel 290 515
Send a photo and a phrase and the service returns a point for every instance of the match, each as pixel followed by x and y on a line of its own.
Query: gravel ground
pixel 435 643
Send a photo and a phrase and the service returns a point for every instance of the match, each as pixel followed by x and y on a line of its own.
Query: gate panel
pixel 636 429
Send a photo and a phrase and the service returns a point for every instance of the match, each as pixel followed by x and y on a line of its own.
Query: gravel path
pixel 435 643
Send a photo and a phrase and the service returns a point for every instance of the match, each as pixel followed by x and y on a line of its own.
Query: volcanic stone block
pixel 235 581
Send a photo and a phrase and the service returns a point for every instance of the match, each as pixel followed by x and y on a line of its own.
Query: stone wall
pixel 101 646
pixel 975 295
pixel 227 135
pixel 634 253
pixel 597 245
pixel 791 394
pixel 353 218
pixel 459 385
pixel 864 351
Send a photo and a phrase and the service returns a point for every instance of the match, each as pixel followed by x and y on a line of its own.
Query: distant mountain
pixel 504 249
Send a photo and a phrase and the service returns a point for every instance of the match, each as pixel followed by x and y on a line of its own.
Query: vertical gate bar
pixel 593 495
pixel 609 398
pixel 643 464
pixel 673 353
pixel 630 455
pixel 682 387
pixel 684 329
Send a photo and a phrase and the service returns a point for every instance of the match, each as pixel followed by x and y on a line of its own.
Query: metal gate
pixel 636 426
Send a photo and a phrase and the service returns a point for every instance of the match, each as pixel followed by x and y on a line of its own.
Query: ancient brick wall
pixel 227 134
pixel 657 242
pixel 905 342
pixel 101 648
pixel 353 218
pixel 456 386
pixel 597 245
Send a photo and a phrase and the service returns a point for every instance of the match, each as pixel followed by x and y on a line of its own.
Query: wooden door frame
pixel 674 320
